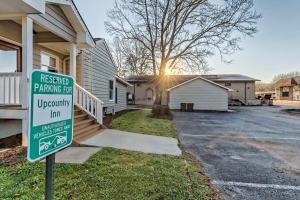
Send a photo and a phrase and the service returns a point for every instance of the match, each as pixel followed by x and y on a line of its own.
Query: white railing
pixel 10 88
pixel 89 103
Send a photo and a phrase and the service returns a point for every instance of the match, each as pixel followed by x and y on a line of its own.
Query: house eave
pixel 119 79
pixel 84 37
pixel 22 7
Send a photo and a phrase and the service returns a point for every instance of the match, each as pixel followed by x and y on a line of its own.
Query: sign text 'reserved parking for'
pixel 51 114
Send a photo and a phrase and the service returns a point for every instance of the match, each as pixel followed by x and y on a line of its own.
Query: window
pixel 111 89
pixel 227 84
pixel 116 95
pixel 10 57
pixel 49 62
pixel 285 94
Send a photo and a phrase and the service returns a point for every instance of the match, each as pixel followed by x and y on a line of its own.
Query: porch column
pixel 27 66
pixel 73 54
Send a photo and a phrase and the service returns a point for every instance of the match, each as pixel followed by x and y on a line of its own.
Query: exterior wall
pixel 141 93
pixel 239 91
pixel 204 95
pixel 11 31
pixel 296 93
pixel 97 70
pixel 37 50
pixel 280 90
pixel 10 127
pixel 121 97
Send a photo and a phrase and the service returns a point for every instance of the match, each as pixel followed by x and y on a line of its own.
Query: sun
pixel 168 71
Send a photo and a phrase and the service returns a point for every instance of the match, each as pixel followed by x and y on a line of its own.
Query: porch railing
pixel 89 103
pixel 10 88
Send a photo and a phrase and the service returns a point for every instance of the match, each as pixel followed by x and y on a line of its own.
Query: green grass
pixel 110 174
pixel 139 121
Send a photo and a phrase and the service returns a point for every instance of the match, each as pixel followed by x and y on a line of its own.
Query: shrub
pixel 160 111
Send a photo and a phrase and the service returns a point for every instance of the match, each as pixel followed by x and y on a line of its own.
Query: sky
pixel 275 49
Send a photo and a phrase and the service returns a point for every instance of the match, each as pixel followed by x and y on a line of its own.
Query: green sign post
pixel 51 114
pixel 50 120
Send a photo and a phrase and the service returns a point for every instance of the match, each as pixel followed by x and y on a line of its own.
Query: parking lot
pixel 251 153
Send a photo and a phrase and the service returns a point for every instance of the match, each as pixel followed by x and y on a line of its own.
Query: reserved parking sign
pixel 51 114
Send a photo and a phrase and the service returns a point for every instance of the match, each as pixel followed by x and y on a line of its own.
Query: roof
pixel 173 80
pixel 119 79
pixel 212 77
pixel 297 79
pixel 199 77
pixel 98 39
pixel 285 82
pixel 230 77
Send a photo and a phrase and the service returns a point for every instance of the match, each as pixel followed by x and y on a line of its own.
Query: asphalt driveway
pixel 253 153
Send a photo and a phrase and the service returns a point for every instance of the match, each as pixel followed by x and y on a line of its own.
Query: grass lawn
pixel 110 174
pixel 139 121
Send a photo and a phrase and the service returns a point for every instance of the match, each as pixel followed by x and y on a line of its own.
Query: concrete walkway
pixel 134 142
pixel 75 155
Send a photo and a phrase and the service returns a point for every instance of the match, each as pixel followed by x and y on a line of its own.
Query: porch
pixel 51 39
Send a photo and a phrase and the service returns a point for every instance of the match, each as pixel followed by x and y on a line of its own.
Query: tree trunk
pixel 160 83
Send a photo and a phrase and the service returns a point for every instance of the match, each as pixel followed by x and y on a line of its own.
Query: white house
pixel 51 35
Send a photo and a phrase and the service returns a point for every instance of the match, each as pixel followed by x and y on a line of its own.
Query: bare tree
pixel 287 75
pixel 182 33
pixel 131 57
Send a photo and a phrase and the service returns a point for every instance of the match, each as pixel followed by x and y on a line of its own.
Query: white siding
pixel 97 70
pixel 204 95
pixel 122 97
pixel 55 19
pixel 37 50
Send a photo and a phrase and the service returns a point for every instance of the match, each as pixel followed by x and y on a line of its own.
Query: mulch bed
pixel 11 142
pixel 16 152
pixel 14 155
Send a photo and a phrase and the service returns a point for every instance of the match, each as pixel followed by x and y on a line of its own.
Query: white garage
pixel 203 93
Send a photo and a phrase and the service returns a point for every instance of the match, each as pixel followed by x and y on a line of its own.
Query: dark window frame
pixel 111 90
pixel 286 94
pixel 116 95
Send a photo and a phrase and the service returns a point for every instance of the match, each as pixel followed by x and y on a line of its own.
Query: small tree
pixel 182 33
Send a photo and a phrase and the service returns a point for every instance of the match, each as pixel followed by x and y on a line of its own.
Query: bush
pixel 160 111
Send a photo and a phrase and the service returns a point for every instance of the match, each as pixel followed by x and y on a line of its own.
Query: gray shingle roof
pixel 182 78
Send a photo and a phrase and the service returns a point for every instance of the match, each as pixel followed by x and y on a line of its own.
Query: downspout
pixel 134 93
pixel 64 70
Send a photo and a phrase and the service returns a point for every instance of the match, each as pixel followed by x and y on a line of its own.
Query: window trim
pixel 51 56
